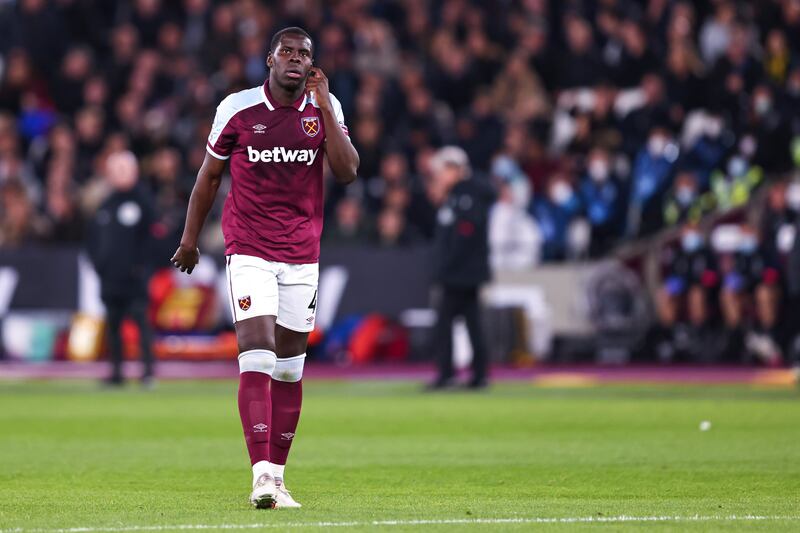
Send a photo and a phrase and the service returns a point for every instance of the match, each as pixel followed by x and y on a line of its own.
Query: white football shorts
pixel 258 287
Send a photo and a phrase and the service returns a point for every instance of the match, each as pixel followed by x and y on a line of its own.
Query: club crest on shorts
pixel 310 125
pixel 244 303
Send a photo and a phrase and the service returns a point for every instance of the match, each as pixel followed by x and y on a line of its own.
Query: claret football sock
pixel 255 410
pixel 287 398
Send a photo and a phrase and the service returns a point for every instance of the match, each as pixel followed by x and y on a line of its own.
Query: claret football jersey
pixel 274 207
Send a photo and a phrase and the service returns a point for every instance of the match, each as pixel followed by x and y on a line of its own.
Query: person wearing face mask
pixel 684 202
pixel 734 186
pixel 750 301
pixel 514 237
pixel 683 303
pixel 601 197
pixel 554 213
pixel 650 178
pixel 770 130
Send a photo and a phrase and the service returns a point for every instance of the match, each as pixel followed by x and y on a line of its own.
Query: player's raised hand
pixel 317 83
pixel 186 258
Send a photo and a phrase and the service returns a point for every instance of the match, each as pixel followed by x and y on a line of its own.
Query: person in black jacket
pixel 120 248
pixel 462 259
pixel 683 302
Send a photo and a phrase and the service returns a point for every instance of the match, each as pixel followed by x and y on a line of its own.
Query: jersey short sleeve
pixel 222 138
pixel 339 114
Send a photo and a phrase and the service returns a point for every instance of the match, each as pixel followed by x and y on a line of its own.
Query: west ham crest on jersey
pixel 310 125
pixel 244 303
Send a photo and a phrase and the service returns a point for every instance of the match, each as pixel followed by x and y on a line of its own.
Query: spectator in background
pixel 734 187
pixel 19 223
pixel 462 260
pixel 777 57
pixel 119 246
pixel 601 196
pixel 585 66
pixel 768 132
pixel 704 147
pixel 684 301
pixel 391 229
pixel 684 203
pixel 650 179
pixel 412 78
pixel 715 34
pixel 514 238
pixel 751 282
pixel 348 226
pixel 555 213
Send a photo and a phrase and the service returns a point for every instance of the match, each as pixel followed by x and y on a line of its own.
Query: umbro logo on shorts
pixel 244 303
pixel 287 436
pixel 260 428
pixel 279 154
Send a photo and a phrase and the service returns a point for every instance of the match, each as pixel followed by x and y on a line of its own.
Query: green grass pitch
pixel 372 455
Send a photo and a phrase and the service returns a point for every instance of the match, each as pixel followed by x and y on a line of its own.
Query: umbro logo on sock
pixel 260 428
pixel 287 436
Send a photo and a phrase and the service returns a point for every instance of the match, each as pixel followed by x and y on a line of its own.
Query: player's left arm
pixel 342 156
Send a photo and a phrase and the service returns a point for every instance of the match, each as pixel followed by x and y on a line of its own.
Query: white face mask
pixel 598 170
pixel 685 195
pixel 793 196
pixel 714 128
pixel 748 145
pixel 763 105
pixel 691 241
pixel 748 244
pixel 737 167
pixel 656 145
pixel 560 193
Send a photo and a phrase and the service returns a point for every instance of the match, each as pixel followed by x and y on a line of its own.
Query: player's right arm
pixel 203 194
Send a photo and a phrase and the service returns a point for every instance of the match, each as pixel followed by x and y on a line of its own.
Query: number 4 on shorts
pixel 313 304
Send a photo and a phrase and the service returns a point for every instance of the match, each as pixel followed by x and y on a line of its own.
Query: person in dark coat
pixel 119 246
pixel 461 259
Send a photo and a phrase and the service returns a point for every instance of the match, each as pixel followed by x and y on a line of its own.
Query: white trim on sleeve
pixel 215 154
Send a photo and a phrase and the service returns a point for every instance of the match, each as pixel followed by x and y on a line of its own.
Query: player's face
pixel 291 61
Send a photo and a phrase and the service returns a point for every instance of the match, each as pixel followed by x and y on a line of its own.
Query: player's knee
pixel 257 360
pixel 289 369
pixel 255 341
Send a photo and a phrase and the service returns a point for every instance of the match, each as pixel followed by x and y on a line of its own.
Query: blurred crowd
pixel 731 291
pixel 596 121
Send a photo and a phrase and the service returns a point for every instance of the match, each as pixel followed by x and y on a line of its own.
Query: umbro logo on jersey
pixel 279 154
pixel 259 128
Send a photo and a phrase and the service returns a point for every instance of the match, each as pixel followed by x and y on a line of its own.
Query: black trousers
pixel 117 308
pixel 459 302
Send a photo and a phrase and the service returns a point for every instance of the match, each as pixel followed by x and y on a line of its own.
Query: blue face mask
pixel 691 241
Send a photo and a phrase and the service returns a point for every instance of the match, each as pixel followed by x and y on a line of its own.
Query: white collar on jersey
pixel 303 101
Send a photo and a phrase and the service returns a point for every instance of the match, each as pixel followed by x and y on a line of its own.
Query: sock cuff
pixel 289 369
pixel 261 468
pixel 257 361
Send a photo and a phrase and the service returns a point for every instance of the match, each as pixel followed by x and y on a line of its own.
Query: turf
pixel 74 456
